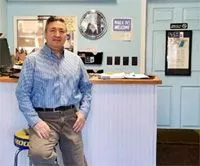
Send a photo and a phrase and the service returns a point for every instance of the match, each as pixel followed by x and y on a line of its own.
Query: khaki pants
pixel 42 151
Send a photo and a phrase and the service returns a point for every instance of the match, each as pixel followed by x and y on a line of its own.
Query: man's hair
pixel 53 19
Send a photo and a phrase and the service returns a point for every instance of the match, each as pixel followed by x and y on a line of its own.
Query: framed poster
pixel 178 52
pixel 93 25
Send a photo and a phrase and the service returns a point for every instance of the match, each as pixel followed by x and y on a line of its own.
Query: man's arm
pixel 85 86
pixel 23 91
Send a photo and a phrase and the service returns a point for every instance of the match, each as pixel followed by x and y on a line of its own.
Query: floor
pixel 178 147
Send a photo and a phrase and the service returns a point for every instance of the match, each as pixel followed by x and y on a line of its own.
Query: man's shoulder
pixel 36 53
pixel 33 55
pixel 71 54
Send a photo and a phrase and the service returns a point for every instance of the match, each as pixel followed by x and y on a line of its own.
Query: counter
pixel 96 80
pixel 120 129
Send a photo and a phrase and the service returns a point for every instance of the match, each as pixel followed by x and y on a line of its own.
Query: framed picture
pixel 178 52
pixel 93 25
pixel 29 34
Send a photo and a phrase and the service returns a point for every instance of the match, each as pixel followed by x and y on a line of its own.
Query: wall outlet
pixel 117 60
pixel 134 61
pixel 109 60
pixel 125 61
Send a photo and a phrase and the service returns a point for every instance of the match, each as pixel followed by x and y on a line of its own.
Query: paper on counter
pixel 113 75
pixel 136 76
pixel 122 75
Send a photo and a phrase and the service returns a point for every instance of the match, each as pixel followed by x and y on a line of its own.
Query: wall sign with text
pixel 178 25
pixel 121 29
pixel 178 52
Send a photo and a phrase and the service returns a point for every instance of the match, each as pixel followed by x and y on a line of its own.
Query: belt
pixel 61 108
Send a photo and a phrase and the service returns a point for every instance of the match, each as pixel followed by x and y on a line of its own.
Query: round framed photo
pixel 93 25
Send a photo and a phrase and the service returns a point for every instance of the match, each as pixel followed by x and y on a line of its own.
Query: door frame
pixel 143 36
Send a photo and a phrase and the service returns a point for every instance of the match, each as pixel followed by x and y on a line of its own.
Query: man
pixel 54 94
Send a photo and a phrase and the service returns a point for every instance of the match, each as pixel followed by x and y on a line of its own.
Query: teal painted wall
pixel 3 16
pixel 123 8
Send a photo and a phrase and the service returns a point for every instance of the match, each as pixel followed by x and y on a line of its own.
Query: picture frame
pixel 93 25
pixel 178 52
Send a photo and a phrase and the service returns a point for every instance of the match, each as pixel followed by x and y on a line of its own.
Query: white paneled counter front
pixel 120 129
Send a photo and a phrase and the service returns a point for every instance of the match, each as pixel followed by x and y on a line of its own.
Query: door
pixel 178 96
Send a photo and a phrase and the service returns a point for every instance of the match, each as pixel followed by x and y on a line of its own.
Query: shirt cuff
pixel 33 121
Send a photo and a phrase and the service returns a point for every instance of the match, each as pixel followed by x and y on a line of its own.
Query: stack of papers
pixel 17 67
pixel 136 76
pixel 122 75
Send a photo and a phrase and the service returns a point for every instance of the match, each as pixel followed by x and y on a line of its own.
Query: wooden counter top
pixel 8 79
pixel 151 80
pixel 96 80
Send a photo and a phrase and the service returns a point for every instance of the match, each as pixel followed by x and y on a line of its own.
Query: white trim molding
pixel 143 36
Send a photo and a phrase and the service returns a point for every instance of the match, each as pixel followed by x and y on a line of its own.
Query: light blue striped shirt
pixel 48 82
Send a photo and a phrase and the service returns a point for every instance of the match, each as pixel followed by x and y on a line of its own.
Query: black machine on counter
pixel 6 63
pixel 5 57
pixel 91 58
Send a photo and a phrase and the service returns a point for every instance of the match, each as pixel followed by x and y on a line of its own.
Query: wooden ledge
pixel 8 79
pixel 151 80
pixel 96 80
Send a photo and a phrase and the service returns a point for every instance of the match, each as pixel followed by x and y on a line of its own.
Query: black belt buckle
pixel 55 110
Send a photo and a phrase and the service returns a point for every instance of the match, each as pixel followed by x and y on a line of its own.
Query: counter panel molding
pixel 121 128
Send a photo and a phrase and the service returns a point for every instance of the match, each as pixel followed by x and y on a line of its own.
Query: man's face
pixel 56 35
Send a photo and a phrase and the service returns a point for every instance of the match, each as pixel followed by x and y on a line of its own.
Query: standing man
pixel 54 94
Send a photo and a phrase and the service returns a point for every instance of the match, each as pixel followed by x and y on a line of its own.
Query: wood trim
pixel 96 80
pixel 154 80
pixel 8 79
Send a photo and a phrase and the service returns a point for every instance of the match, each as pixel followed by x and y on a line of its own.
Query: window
pixel 29 34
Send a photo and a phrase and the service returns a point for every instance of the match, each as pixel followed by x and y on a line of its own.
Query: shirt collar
pixel 47 50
